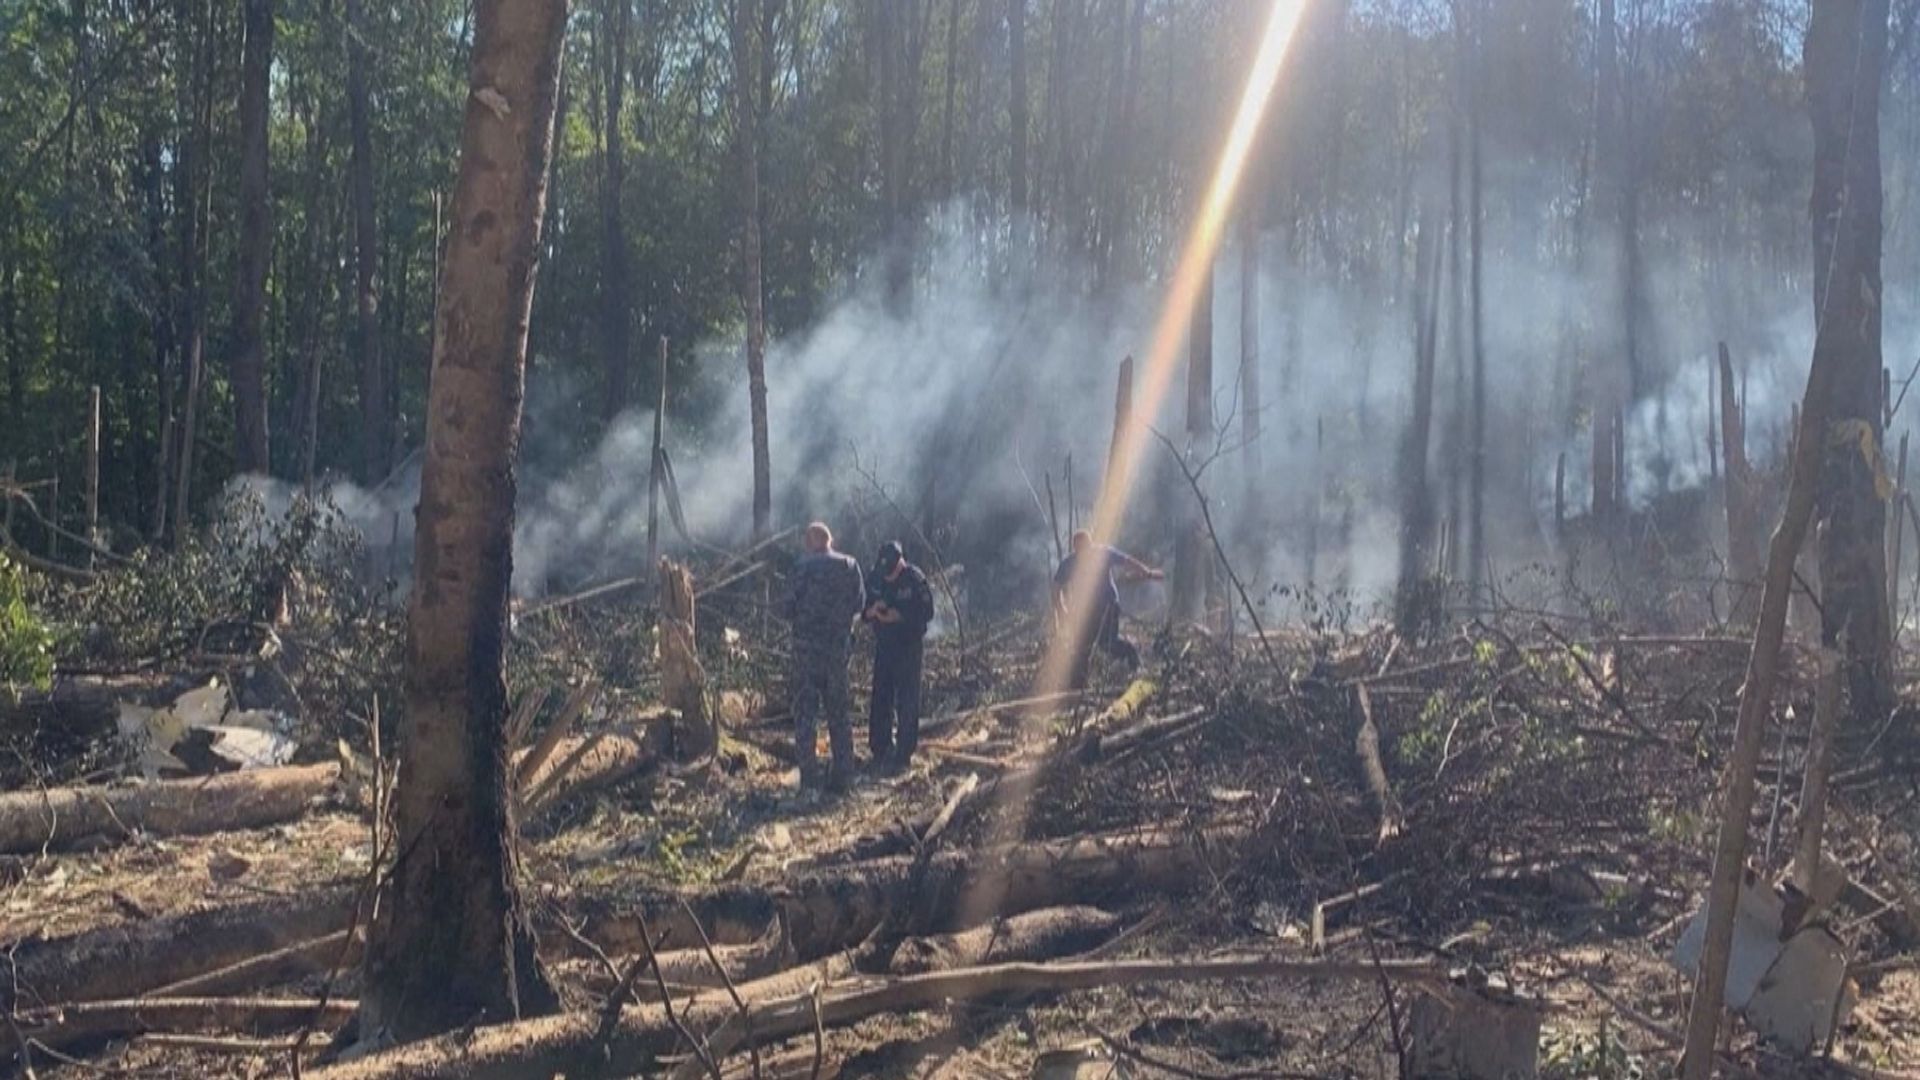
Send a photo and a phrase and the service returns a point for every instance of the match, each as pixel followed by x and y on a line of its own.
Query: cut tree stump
pixel 32 821
pixel 683 677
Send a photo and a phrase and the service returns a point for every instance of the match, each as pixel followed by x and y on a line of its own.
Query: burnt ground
pixel 1552 801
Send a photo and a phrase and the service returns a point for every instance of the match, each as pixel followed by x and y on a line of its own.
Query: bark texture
pixel 249 370
pixel 1846 48
pixel 453 944
pixel 62 817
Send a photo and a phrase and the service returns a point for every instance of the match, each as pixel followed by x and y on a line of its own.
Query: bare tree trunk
pixel 250 451
pixel 93 468
pixel 1122 420
pixel 1193 556
pixel 193 268
pixel 1477 569
pixel 746 64
pixel 946 109
pixel 1743 515
pixel 374 421
pixel 453 945
pixel 1017 116
pixel 1844 52
pixel 1845 56
pixel 1250 403
pixel 616 291
pixel 1413 604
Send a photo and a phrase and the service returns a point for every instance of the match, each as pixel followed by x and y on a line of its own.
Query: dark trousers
pixel 1102 632
pixel 893 724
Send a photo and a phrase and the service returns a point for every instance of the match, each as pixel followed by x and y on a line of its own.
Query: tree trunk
pixel 454 945
pixel 1478 568
pixel 60 817
pixel 683 679
pixel 249 374
pixel 1017 117
pixel 1193 556
pixel 1743 514
pixel 1251 419
pixel 1414 601
pixel 1845 48
pixel 1845 55
pixel 374 421
pixel 616 290
pixel 746 61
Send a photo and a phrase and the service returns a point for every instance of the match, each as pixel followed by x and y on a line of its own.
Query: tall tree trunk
pixel 1609 378
pixel 948 73
pixel 162 332
pixel 1846 51
pixel 193 267
pixel 746 60
pixel 1250 403
pixel 250 452
pixel 1477 477
pixel 375 424
pixel 454 945
pixel 1017 125
pixel 616 291
pixel 1414 601
pixel 1193 556
pixel 1834 462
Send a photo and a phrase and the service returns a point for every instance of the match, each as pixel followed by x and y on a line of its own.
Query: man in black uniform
pixel 824 598
pixel 1096 615
pixel 899 608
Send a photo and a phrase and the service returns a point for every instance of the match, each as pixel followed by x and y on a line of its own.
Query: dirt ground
pixel 1550 815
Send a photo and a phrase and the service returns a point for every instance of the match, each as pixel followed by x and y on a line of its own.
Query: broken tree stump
pixel 683 678
pixel 1474 1029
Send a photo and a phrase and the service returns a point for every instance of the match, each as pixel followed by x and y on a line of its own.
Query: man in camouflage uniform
pixel 825 595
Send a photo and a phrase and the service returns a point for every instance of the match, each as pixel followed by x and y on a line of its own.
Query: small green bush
pixel 26 644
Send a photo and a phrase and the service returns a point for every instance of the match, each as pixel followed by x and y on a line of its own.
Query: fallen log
pixel 691 968
pixel 60 817
pixel 824 912
pixel 133 958
pixel 67 1024
pixel 572 1043
pixel 589 763
pixel 322 954
pixel 836 907
pixel 1050 932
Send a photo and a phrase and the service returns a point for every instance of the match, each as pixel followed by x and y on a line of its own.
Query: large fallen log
pixel 824 912
pixel 1049 932
pixel 322 954
pixel 54 818
pixel 133 958
pixel 63 1025
pixel 836 907
pixel 575 1042
pixel 61 817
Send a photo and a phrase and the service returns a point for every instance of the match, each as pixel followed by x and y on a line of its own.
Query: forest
pixel 1392 524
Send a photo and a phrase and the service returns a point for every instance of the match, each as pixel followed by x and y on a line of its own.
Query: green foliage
pixel 26 643
pixel 1589 1055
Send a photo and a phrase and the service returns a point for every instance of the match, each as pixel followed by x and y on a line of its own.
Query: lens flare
pixel 1170 331
pixel 1162 354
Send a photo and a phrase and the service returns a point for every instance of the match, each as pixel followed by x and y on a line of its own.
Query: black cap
pixel 890 555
